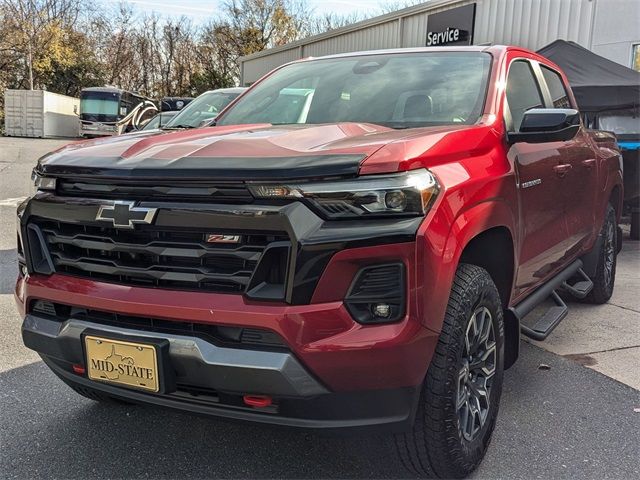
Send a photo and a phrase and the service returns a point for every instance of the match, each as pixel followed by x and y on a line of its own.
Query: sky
pixel 201 10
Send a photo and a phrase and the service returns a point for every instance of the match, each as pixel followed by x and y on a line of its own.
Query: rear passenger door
pixel 580 181
pixel 542 227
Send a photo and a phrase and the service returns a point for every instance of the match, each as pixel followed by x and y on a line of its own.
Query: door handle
pixel 589 163
pixel 562 169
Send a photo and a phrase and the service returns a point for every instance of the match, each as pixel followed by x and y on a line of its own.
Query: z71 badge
pixel 217 238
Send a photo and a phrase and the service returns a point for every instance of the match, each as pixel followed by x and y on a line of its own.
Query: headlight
pixel 42 183
pixel 409 193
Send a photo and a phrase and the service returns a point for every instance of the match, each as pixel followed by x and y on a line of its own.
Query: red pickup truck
pixel 355 243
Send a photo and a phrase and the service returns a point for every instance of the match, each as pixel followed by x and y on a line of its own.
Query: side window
pixel 558 93
pixel 522 91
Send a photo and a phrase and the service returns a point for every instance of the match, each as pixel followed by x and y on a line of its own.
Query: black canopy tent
pixel 605 88
pixel 597 83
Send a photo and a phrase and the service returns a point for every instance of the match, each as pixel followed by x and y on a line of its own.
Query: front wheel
pixel 461 393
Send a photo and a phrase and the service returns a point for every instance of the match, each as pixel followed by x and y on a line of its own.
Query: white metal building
pixel 610 28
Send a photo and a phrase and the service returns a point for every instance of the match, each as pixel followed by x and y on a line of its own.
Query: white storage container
pixel 40 114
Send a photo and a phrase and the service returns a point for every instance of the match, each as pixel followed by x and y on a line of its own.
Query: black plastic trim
pixel 40 259
pixel 382 410
pixel 214 168
pixel 358 303
pixel 275 257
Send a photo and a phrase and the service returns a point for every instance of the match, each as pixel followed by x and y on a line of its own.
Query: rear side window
pixel 522 91
pixel 558 93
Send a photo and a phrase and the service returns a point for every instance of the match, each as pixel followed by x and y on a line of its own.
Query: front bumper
pixel 211 379
pixel 343 355
pixel 337 372
pixel 198 363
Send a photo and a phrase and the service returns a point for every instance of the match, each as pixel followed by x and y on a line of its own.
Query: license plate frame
pixel 165 375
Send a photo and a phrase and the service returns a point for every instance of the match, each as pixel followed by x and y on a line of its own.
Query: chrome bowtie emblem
pixel 125 214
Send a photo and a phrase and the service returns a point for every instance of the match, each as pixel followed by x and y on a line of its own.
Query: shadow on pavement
pixel 56 433
pixel 564 421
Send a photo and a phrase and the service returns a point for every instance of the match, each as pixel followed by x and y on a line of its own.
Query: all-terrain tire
pixel 605 277
pixel 634 234
pixel 436 446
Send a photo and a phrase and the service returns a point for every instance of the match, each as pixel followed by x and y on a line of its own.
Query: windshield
pixel 99 103
pixel 397 90
pixel 158 121
pixel 205 107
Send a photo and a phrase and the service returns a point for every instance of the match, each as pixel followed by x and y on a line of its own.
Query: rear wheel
pixel 461 393
pixel 635 224
pixel 605 277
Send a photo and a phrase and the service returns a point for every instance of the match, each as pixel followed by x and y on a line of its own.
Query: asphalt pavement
pixel 557 419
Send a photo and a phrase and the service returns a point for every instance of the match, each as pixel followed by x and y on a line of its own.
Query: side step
pixel 581 288
pixel 550 320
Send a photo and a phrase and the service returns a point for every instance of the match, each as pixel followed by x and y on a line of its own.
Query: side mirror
pixel 541 125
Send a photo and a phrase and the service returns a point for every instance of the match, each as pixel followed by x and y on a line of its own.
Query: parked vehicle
pixel 106 111
pixel 159 121
pixel 169 104
pixel 368 264
pixel 204 108
pixel 289 105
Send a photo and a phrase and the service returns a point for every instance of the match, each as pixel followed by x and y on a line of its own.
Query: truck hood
pixel 243 152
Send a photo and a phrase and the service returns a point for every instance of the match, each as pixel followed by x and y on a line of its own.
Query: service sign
pixel 451 27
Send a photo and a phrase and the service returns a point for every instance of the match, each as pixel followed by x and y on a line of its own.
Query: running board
pixel 581 288
pixel 554 315
pixel 549 321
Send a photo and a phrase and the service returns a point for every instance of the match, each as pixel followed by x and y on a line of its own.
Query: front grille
pixel 144 190
pixel 216 334
pixel 152 256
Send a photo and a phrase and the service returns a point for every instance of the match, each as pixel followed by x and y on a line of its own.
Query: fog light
pixel 382 310
pixel 377 294
pixel 396 200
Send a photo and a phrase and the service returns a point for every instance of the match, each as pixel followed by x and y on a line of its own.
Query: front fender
pixel 443 242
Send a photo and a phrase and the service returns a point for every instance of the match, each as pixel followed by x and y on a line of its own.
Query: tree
pixel 330 21
pixel 67 45
pixel 35 29
pixel 253 25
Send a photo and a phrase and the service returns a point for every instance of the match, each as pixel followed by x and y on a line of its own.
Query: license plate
pixel 122 363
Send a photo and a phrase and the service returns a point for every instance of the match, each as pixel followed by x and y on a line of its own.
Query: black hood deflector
pixel 206 168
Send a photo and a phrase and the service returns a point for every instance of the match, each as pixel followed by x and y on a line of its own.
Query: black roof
pixel 597 83
pixel 103 89
pixel 109 89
